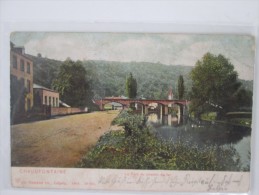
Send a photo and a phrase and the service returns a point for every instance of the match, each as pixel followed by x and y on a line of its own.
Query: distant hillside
pixel 44 70
pixel 153 79
pixel 108 78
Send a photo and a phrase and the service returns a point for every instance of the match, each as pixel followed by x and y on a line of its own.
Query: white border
pixel 127 16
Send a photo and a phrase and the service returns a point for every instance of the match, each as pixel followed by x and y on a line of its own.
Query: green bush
pixel 210 116
pixel 138 148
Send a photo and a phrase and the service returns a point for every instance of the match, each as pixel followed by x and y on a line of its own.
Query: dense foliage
pixel 131 86
pixel 181 87
pixel 215 86
pixel 45 70
pixel 72 84
pixel 136 147
pixel 107 78
pixel 153 79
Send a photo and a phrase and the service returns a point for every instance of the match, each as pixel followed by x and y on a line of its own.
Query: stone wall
pixel 64 111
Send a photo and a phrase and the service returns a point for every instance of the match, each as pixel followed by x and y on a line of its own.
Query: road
pixel 59 142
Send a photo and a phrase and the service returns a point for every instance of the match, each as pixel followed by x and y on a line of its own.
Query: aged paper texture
pixel 131 111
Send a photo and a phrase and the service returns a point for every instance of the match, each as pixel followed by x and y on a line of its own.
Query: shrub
pixel 135 147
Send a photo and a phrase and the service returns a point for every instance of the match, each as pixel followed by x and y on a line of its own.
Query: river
pixel 200 133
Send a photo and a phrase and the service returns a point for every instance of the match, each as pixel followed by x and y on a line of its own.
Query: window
pixel 46 100
pixel 57 102
pixel 29 86
pixel 22 82
pixel 13 78
pixel 15 62
pixel 22 65
pixel 53 101
pixel 49 100
pixel 14 84
pixel 28 68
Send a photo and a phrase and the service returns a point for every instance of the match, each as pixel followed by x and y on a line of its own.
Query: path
pixel 58 142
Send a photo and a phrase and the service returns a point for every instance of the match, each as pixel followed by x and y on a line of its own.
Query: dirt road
pixel 58 142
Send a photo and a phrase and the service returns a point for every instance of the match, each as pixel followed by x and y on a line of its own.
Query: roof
pixel 115 98
pixel 14 50
pixel 36 86
pixel 170 92
pixel 64 104
pixel 23 55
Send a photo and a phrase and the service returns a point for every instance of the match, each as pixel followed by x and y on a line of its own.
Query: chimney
pixel 11 45
pixel 19 50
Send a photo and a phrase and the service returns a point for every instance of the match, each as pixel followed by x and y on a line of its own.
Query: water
pixel 200 133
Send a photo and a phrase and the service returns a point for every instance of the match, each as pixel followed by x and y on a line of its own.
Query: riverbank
pixel 136 146
pixel 59 142
pixel 242 119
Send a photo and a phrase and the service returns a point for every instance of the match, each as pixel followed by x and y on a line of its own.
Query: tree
pixel 245 99
pixel 181 87
pixel 215 86
pixel 131 86
pixel 73 85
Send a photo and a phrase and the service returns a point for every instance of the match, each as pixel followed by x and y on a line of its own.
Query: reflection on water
pixel 200 133
pixel 168 120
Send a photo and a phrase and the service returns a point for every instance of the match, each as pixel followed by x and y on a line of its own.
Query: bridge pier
pixel 164 105
pixel 142 110
pixel 180 114
pixel 145 109
pixel 166 110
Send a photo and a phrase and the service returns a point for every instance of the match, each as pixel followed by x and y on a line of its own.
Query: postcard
pixel 131 111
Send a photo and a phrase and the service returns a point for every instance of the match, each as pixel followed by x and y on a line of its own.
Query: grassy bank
pixel 135 147
pixel 233 118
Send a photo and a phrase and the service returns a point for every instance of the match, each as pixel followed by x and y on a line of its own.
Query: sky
pixel 165 48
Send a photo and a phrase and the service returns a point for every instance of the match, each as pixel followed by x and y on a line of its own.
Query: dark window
pixel 53 100
pixel 29 86
pixel 22 82
pixel 28 68
pixel 49 100
pixel 22 65
pixel 57 102
pixel 13 78
pixel 14 62
pixel 46 100
pixel 14 84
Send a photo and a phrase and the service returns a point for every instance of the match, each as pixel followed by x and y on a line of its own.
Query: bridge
pixel 126 103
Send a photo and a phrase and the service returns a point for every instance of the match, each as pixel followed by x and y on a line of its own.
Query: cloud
pixel 170 49
pixel 194 52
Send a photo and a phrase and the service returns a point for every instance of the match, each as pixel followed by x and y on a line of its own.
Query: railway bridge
pixel 126 103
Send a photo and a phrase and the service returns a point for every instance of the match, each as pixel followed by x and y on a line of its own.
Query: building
pixel 21 75
pixel 45 96
pixel 170 94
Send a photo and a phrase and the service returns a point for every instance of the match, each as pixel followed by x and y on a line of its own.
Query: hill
pixel 153 79
pixel 44 70
pixel 108 77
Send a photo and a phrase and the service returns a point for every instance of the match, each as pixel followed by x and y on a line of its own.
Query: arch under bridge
pixel 165 104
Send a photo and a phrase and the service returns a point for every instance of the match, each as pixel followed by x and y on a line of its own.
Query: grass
pixel 234 118
pixel 209 116
pixel 134 147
